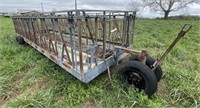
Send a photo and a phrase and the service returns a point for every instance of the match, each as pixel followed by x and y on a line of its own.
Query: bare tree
pixel 136 5
pixel 168 6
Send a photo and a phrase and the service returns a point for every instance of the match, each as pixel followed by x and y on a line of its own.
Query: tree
pixel 136 5
pixel 168 6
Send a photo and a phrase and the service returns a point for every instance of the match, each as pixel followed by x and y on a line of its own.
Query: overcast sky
pixel 49 5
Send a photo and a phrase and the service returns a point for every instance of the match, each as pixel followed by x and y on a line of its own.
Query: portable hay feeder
pixel 86 42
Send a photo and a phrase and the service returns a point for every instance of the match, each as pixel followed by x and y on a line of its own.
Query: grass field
pixel 28 79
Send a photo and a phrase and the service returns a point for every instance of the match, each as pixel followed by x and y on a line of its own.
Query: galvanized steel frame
pixel 83 42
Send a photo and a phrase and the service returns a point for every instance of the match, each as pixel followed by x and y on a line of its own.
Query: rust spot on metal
pixel 42 51
pixel 142 56
pixel 52 57
pixel 67 64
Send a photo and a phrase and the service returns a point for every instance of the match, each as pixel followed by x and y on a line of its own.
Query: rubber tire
pixel 20 40
pixel 144 71
pixel 158 71
pixel 149 61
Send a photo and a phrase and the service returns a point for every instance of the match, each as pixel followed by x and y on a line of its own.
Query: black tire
pixel 137 74
pixel 149 61
pixel 158 71
pixel 20 40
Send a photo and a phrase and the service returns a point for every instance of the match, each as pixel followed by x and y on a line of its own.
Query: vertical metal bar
pixel 25 28
pixel 96 30
pixel 96 37
pixel 62 52
pixel 118 29
pixel 92 31
pixel 87 35
pixel 132 19
pixel 124 29
pixel 104 35
pixel 17 26
pixel 133 24
pixel 29 29
pixel 33 30
pixel 50 44
pixel 80 42
pixel 70 21
pixel 55 37
pixel 100 29
pixel 74 43
pixel 43 33
pixel 109 35
pixel 127 32
pixel 130 29
pixel 39 33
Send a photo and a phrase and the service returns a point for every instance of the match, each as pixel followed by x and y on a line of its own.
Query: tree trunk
pixel 166 14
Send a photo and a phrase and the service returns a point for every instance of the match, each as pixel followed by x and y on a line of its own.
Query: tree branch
pixel 160 4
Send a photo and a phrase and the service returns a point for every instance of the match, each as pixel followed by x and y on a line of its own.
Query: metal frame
pixel 83 42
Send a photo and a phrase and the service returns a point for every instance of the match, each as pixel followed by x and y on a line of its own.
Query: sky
pixel 49 5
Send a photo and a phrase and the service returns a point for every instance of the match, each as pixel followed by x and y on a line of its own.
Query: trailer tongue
pixel 181 34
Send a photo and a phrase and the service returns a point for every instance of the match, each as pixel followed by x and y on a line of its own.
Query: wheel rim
pixel 132 77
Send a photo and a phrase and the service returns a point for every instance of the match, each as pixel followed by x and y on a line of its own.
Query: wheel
pixel 158 71
pixel 149 61
pixel 137 74
pixel 20 40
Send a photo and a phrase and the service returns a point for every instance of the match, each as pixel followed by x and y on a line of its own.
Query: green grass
pixel 28 79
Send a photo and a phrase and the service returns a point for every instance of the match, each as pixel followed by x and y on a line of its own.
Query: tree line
pixel 165 6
